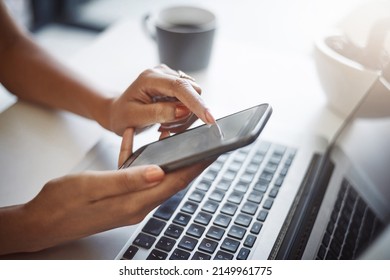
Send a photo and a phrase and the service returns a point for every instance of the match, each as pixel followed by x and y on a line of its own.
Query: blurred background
pixel 66 26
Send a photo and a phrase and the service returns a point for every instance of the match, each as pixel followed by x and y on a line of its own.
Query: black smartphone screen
pixel 233 131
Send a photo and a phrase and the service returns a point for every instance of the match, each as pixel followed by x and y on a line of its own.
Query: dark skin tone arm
pixel 31 74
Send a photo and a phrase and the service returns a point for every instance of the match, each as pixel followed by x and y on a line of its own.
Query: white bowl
pixel 343 79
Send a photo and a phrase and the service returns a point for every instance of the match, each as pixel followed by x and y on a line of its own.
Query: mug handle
pixel 147 27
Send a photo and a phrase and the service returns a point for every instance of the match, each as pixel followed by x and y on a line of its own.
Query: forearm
pixel 31 74
pixel 14 231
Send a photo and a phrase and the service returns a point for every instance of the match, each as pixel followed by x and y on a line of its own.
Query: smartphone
pixel 205 141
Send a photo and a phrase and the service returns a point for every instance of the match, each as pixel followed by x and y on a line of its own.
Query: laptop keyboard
pixel 220 215
pixel 351 227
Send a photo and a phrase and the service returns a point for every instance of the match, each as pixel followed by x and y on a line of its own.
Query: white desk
pixel 240 75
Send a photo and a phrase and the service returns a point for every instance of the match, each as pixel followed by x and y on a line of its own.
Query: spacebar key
pixel 166 209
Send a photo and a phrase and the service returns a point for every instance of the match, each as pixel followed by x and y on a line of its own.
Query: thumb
pixel 126 149
pixel 113 183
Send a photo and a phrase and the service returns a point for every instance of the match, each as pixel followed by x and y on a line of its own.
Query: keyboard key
pixel 196 196
pixel 255 196
pixel 196 230
pixel 330 227
pixel 275 158
pixel 217 165
pixel 215 233
pixel 208 246
pixel 200 256
pixel 174 231
pixel 179 255
pixel 243 220
pixel 261 186
pixel 240 156
pixel 217 195
pixel 252 168
pixel 210 175
pixel 271 167
pixel 284 171
pixel 235 165
pixel 262 215
pixel 189 207
pixel 224 184
pixel 279 181
pixel 243 254
pixel 242 186
pixel 210 206
pixel 230 245
pixel 154 227
pixel 273 192
pixel 321 252
pixel 250 241
pixel 144 240
pixel 249 208
pixel 203 218
pixel 330 255
pixel 268 203
pixel 229 209
pixel 165 243
pixel 326 239
pixel 257 159
pixel 237 232
pixel 235 197
pixel 256 227
pixel 188 243
pixel 157 255
pixel 203 185
pixel 222 220
pixel 290 157
pixel 130 252
pixel 229 175
pixel 221 255
pixel 266 176
pixel 182 219
pixel 247 177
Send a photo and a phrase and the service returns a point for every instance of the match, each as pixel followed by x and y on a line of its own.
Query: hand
pixel 79 205
pixel 159 95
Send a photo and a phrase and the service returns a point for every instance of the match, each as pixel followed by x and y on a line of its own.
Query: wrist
pixel 100 111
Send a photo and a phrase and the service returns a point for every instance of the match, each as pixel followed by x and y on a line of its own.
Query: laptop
pixel 272 200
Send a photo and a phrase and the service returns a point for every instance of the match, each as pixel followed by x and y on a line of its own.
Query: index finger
pixel 183 90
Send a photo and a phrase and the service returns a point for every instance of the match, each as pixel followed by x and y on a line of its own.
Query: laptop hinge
pixel 295 232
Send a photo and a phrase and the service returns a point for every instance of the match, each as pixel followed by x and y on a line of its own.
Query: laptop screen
pixel 365 141
pixel 355 207
pixel 346 205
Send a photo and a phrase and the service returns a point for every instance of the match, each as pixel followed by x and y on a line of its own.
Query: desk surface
pixel 240 75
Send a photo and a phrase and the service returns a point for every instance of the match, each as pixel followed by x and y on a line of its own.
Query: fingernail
pixel 210 119
pixel 154 174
